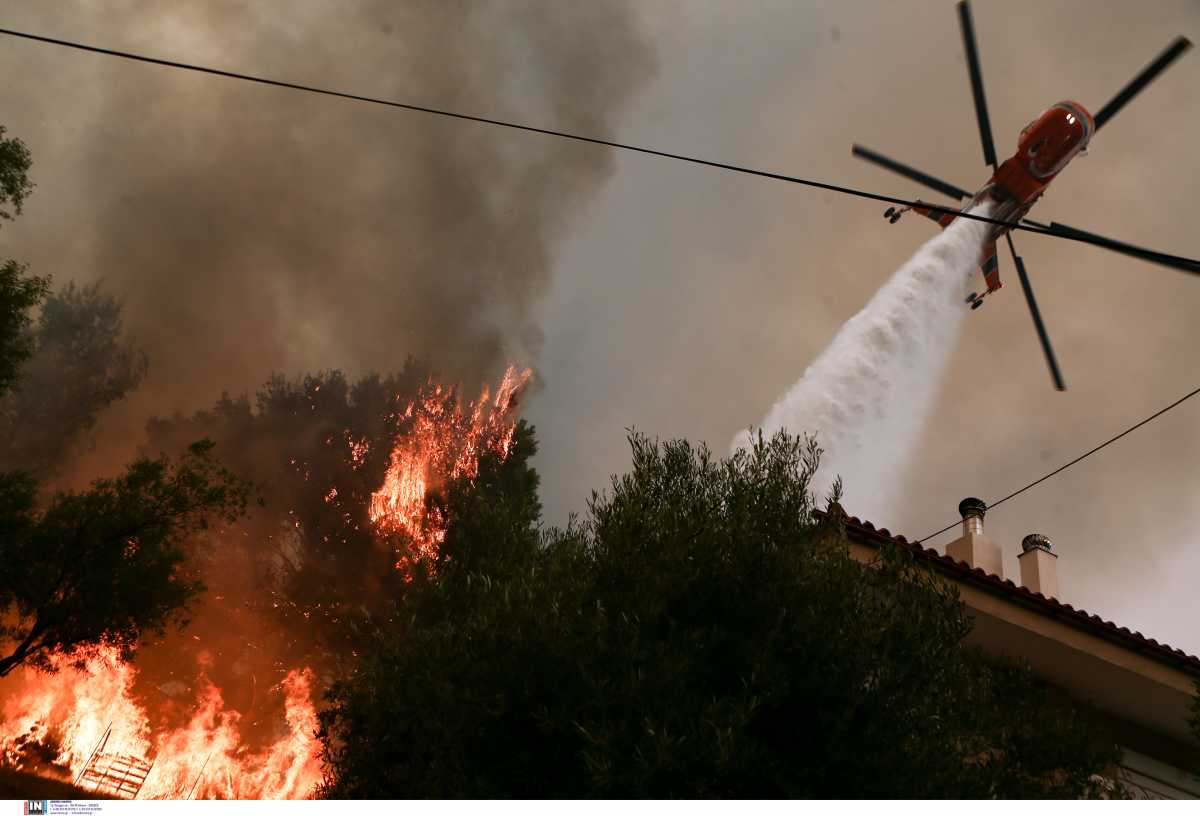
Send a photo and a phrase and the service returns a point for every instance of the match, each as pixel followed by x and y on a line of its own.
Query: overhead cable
pixel 1074 461
pixel 835 188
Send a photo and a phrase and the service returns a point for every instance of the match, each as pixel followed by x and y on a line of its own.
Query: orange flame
pixel 98 724
pixel 445 442
pixel 87 721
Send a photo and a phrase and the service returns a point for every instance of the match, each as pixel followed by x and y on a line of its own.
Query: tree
pixel 19 293
pixel 15 185
pixel 699 634
pixel 311 568
pixel 69 367
pixel 102 568
pixel 79 365
pixel 307 574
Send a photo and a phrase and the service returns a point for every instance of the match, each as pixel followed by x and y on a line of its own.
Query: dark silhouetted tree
pixel 102 567
pixel 19 293
pixel 79 365
pixel 699 634
pixel 310 564
pixel 15 184
pixel 307 575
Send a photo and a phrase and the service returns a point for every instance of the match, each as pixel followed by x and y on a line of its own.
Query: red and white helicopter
pixel 1044 148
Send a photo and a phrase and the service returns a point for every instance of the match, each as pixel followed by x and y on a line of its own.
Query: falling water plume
pixel 869 392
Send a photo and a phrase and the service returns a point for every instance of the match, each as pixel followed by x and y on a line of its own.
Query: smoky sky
pixel 251 229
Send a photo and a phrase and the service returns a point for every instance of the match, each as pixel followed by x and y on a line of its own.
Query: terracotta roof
pixel 866 533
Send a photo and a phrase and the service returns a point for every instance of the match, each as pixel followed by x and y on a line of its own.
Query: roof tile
pixel 865 531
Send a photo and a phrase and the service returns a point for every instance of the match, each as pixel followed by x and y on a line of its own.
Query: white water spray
pixel 867 395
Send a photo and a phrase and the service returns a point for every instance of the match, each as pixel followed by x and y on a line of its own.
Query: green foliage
pixel 79 366
pixel 15 185
pixel 103 567
pixel 700 634
pixel 18 292
pixel 495 515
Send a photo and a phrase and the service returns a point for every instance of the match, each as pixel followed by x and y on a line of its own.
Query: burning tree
pixel 349 476
pixel 439 442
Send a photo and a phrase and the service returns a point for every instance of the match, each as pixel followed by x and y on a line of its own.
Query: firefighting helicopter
pixel 1044 148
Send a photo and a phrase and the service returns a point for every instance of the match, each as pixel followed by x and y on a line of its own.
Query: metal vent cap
pixel 972 507
pixel 1035 541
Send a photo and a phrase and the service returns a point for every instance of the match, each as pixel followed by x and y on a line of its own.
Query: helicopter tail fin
pixel 989 266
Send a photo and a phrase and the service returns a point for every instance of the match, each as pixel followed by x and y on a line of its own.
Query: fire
pixel 88 726
pixel 444 441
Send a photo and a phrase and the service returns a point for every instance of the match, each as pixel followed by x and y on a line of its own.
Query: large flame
pixel 443 441
pixel 86 725
pixel 86 722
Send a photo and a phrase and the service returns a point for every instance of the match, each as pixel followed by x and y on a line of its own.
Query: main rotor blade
pixel 1174 50
pixel 1153 256
pixel 945 188
pixel 1027 287
pixel 981 111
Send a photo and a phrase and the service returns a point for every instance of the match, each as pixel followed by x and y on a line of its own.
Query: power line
pixel 1040 229
pixel 1081 237
pixel 1074 461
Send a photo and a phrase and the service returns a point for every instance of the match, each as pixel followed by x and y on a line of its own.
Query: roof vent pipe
pixel 973 547
pixel 972 511
pixel 1039 566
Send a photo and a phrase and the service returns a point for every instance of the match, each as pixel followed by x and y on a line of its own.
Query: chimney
pixel 1039 568
pixel 973 546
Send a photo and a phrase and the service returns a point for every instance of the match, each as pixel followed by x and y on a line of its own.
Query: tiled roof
pixel 866 533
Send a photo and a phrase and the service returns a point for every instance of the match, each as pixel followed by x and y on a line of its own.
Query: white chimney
pixel 973 547
pixel 1039 567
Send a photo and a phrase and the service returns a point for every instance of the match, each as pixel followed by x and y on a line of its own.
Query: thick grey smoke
pixel 252 229
pixel 868 394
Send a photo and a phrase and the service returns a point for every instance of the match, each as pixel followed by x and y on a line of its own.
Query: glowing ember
pixel 444 442
pixel 89 720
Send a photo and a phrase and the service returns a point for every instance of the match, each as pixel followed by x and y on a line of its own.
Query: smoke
pixel 251 229
pixel 867 395
pixel 248 230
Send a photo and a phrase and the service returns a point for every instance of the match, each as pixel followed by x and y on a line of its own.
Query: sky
pixel 252 230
